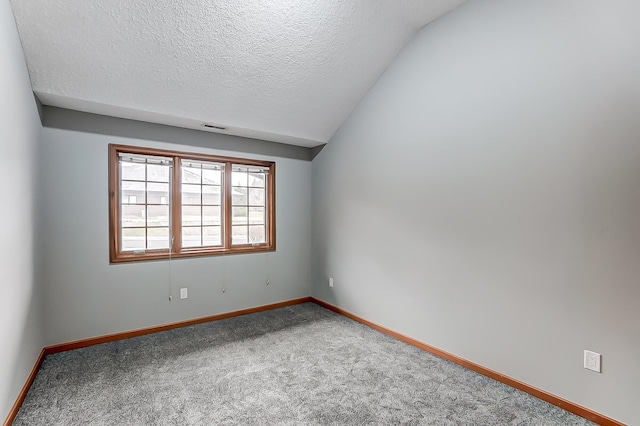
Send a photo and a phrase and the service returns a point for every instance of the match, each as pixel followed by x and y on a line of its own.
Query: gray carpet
pixel 300 365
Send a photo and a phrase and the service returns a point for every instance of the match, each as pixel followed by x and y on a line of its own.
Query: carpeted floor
pixel 300 365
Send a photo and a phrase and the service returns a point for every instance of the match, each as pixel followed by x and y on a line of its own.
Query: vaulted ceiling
pixel 284 71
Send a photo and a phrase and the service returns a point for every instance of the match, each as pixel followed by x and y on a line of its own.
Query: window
pixel 166 204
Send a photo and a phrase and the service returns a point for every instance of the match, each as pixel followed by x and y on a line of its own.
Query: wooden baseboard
pixel 127 335
pixel 143 331
pixel 538 393
pixel 25 389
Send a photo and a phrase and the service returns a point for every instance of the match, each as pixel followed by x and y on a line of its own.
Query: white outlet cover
pixel 183 293
pixel 592 361
pixel 330 282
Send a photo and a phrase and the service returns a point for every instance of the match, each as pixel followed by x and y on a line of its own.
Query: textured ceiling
pixel 284 71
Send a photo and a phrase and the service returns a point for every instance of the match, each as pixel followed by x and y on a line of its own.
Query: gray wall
pixel 20 319
pixel 86 296
pixel 484 197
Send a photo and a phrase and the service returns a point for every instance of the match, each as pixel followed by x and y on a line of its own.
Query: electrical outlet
pixel 592 361
pixel 330 282
pixel 183 293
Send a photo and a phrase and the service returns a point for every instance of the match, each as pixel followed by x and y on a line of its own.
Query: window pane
pixel 239 235
pixel 191 236
pixel 132 239
pixel 256 215
pixel 191 175
pixel 133 216
pixel 211 195
pixel 132 171
pixel 132 189
pixel 211 236
pixel 157 192
pixel 239 178
pixel 256 234
pixel 257 179
pixel 191 194
pixel 157 215
pixel 256 196
pixel 212 177
pixel 239 196
pixel 157 238
pixel 158 173
pixel 211 215
pixel 240 215
pixel 191 215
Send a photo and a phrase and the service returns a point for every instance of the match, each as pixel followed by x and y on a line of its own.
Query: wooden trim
pixel 271 208
pixel 126 335
pixel 114 216
pixel 176 250
pixel 25 389
pixel 176 207
pixel 538 393
pixel 190 252
pixel 150 330
pixel 227 183
pixel 189 155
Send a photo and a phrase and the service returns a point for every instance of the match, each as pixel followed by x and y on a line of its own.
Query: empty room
pixel 320 212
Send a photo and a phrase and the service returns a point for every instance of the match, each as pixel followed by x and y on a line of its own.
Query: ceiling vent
pixel 211 126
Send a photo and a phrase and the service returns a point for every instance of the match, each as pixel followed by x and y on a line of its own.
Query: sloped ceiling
pixel 283 71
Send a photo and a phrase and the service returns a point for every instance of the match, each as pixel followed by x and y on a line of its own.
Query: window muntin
pixel 174 204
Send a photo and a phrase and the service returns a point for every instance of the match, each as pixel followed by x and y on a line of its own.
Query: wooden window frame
pixel 116 255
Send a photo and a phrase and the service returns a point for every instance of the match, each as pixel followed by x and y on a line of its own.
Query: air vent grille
pixel 211 126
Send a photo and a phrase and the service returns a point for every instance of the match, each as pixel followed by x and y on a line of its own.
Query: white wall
pixel 86 296
pixel 20 319
pixel 484 197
